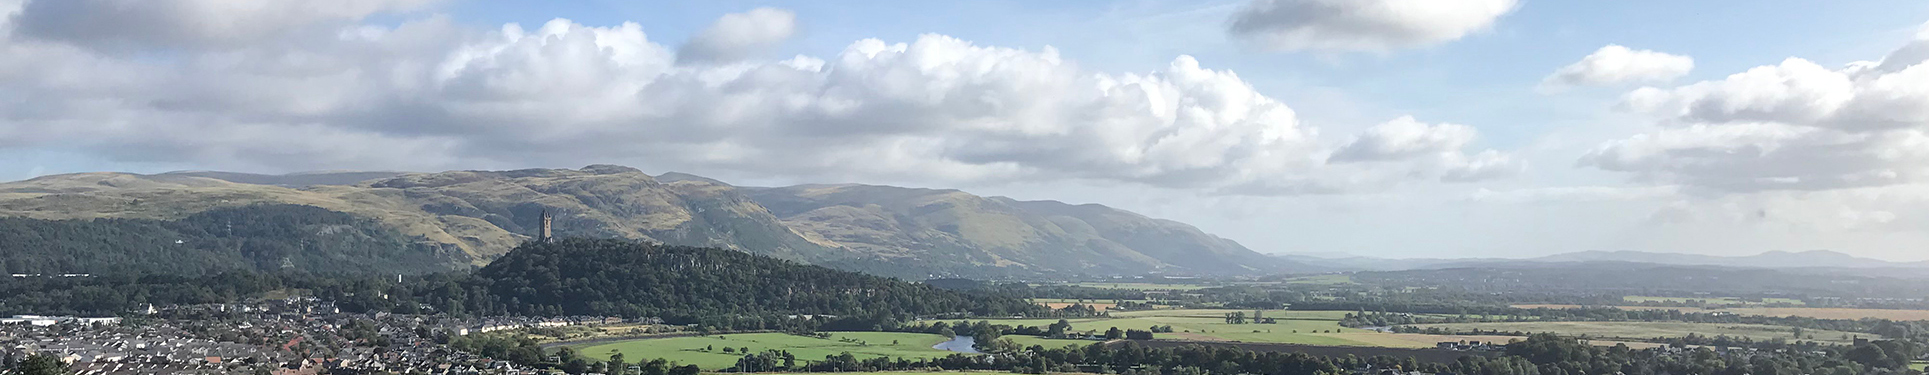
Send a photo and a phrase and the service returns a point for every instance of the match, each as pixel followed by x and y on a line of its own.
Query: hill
pixel 951 227
pixel 913 233
pixel 623 278
pixel 260 238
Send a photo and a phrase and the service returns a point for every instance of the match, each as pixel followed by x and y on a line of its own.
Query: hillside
pixel 913 233
pixel 950 227
pixel 623 278
pixel 260 238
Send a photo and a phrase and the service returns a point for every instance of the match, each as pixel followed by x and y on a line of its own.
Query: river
pixel 961 344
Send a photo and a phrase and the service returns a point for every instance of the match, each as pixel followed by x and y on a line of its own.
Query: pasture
pixel 1712 301
pixel 1650 330
pixel 1806 312
pixel 1142 286
pixel 707 351
pixel 1293 327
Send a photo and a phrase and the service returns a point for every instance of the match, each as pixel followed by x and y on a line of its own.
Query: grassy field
pixel 1649 330
pixel 1101 304
pixel 1713 301
pixel 1918 365
pixel 1807 312
pixel 1294 327
pixel 1143 286
pixel 1322 280
pixel 690 350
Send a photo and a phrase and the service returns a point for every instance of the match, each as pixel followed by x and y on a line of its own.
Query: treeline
pixel 268 237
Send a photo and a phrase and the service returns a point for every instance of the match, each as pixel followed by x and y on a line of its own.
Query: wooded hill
pixel 625 278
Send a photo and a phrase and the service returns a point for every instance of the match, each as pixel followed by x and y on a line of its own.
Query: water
pixel 961 344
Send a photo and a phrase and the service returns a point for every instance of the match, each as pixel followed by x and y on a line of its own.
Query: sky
pixel 1388 128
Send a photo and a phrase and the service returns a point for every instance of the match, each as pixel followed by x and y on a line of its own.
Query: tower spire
pixel 544 236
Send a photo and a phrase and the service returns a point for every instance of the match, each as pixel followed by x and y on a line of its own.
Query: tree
pixel 1114 334
pixel 616 365
pixel 43 364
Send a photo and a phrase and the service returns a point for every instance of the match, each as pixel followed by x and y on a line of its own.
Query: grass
pixel 1143 286
pixel 690 350
pixel 1712 301
pixel 1294 327
pixel 1918 365
pixel 1650 330
pixel 1806 312
pixel 1322 280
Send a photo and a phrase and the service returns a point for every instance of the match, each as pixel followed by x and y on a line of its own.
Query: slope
pixel 950 229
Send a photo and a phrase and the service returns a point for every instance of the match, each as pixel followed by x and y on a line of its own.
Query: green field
pixel 1712 301
pixel 1918 365
pixel 689 350
pixel 1322 280
pixel 1650 330
pixel 1294 327
pixel 1143 286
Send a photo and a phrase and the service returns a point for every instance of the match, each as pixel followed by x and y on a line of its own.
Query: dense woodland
pixel 717 288
pixel 259 237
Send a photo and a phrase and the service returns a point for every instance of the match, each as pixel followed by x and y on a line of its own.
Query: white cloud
pixel 1405 139
pixel 189 23
pixel 738 36
pixel 429 94
pixel 1363 25
pixel 1615 64
pixel 1792 126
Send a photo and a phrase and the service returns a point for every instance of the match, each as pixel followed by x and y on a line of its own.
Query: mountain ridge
pixel 909 232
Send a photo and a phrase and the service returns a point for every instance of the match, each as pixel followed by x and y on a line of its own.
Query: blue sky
pixel 1504 167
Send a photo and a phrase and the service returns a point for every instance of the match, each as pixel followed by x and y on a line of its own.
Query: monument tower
pixel 544 236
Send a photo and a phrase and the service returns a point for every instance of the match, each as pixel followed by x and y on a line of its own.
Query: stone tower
pixel 544 236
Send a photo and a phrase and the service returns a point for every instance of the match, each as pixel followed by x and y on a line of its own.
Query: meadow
pixel 1142 286
pixel 1712 301
pixel 1806 312
pixel 1293 327
pixel 1650 330
pixel 692 350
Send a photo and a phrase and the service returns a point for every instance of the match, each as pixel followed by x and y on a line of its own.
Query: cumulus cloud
pixel 1406 139
pixel 430 94
pixel 188 23
pixel 1363 25
pixel 1792 126
pixel 738 36
pixel 1615 64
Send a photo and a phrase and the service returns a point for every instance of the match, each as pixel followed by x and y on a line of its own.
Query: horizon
pixel 1498 129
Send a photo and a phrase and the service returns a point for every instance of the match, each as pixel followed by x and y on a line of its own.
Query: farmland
pixel 1711 301
pixel 1293 327
pixel 692 350
pixel 1142 286
pixel 1806 312
pixel 1650 330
